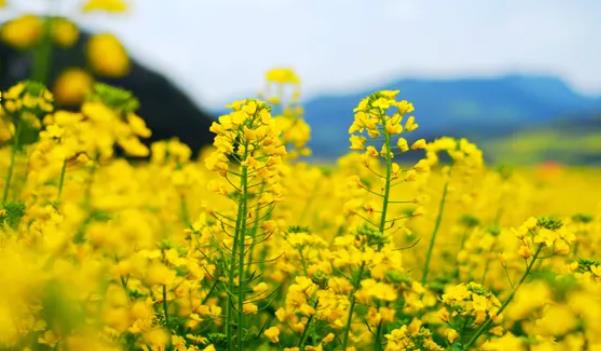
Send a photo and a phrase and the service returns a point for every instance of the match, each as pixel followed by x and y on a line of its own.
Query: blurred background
pixel 521 78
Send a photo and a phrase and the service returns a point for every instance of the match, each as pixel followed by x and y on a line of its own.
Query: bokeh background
pixel 521 78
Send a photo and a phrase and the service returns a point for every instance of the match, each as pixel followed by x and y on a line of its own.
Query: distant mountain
pixel 169 112
pixel 477 108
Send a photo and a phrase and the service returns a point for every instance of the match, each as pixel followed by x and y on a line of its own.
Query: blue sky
pixel 219 49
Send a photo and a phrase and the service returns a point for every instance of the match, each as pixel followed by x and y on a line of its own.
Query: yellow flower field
pixel 110 242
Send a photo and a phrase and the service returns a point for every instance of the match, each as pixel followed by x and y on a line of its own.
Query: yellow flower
pixel 159 274
pixel 357 142
pixel 403 145
pixel 273 334
pixel 380 113
pixel 156 338
pixel 506 342
pixel 419 144
pixel 410 125
pixel 250 308
pixel 107 56
pixel 49 338
pixel 260 288
pixel 64 32
pixel 113 6
pixel 557 320
pixel 22 32
pixel 282 76
pixel 72 86
pixel 452 335
pixel 378 290
pixel 29 98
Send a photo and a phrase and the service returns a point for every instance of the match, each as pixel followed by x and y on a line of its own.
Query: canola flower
pixel 283 93
pixel 40 35
pixel 248 136
pixel 107 56
pixel 111 6
pixel 72 86
pixel 43 35
pixel 108 243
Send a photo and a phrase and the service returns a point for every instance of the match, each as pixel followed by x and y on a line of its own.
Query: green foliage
pixel 12 213
pixel 116 98
pixel 550 223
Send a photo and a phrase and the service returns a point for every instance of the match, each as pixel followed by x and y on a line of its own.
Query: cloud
pixel 219 49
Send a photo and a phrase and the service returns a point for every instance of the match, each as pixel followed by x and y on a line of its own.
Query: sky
pixel 218 50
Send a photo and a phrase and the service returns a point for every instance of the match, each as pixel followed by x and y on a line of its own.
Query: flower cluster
pixel 245 247
pixel 543 232
pixel 105 5
pixel 411 337
pixel 27 98
pixel 248 136
pixel 42 35
pixel 468 305
pixel 283 93
pixel 380 117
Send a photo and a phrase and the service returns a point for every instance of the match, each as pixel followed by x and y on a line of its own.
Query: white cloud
pixel 219 49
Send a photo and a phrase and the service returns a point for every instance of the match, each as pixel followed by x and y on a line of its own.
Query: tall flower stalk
pixel 11 165
pixel 23 105
pixel 247 148
pixel 375 125
pixel 438 221
pixel 537 235
pixel 487 324
pixel 466 159
pixel 42 54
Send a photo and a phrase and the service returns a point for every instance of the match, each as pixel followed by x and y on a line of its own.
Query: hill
pixel 477 108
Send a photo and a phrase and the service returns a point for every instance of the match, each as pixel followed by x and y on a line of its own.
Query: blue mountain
pixel 477 108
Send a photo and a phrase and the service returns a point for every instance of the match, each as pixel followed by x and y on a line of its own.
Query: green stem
pixel 378 339
pixel 484 327
pixel 184 212
pixel 303 338
pixel 303 261
pixel 387 184
pixel 11 165
pixel 165 311
pixel 349 319
pixel 486 266
pixel 230 285
pixel 441 205
pixel 61 181
pixel 461 246
pixel 42 55
pixel 241 252
pixel 87 199
pixel 210 292
pixel 238 250
pixel 255 230
pixel 357 282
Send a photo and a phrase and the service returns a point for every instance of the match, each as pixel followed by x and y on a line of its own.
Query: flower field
pixel 403 244
pixel 110 241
